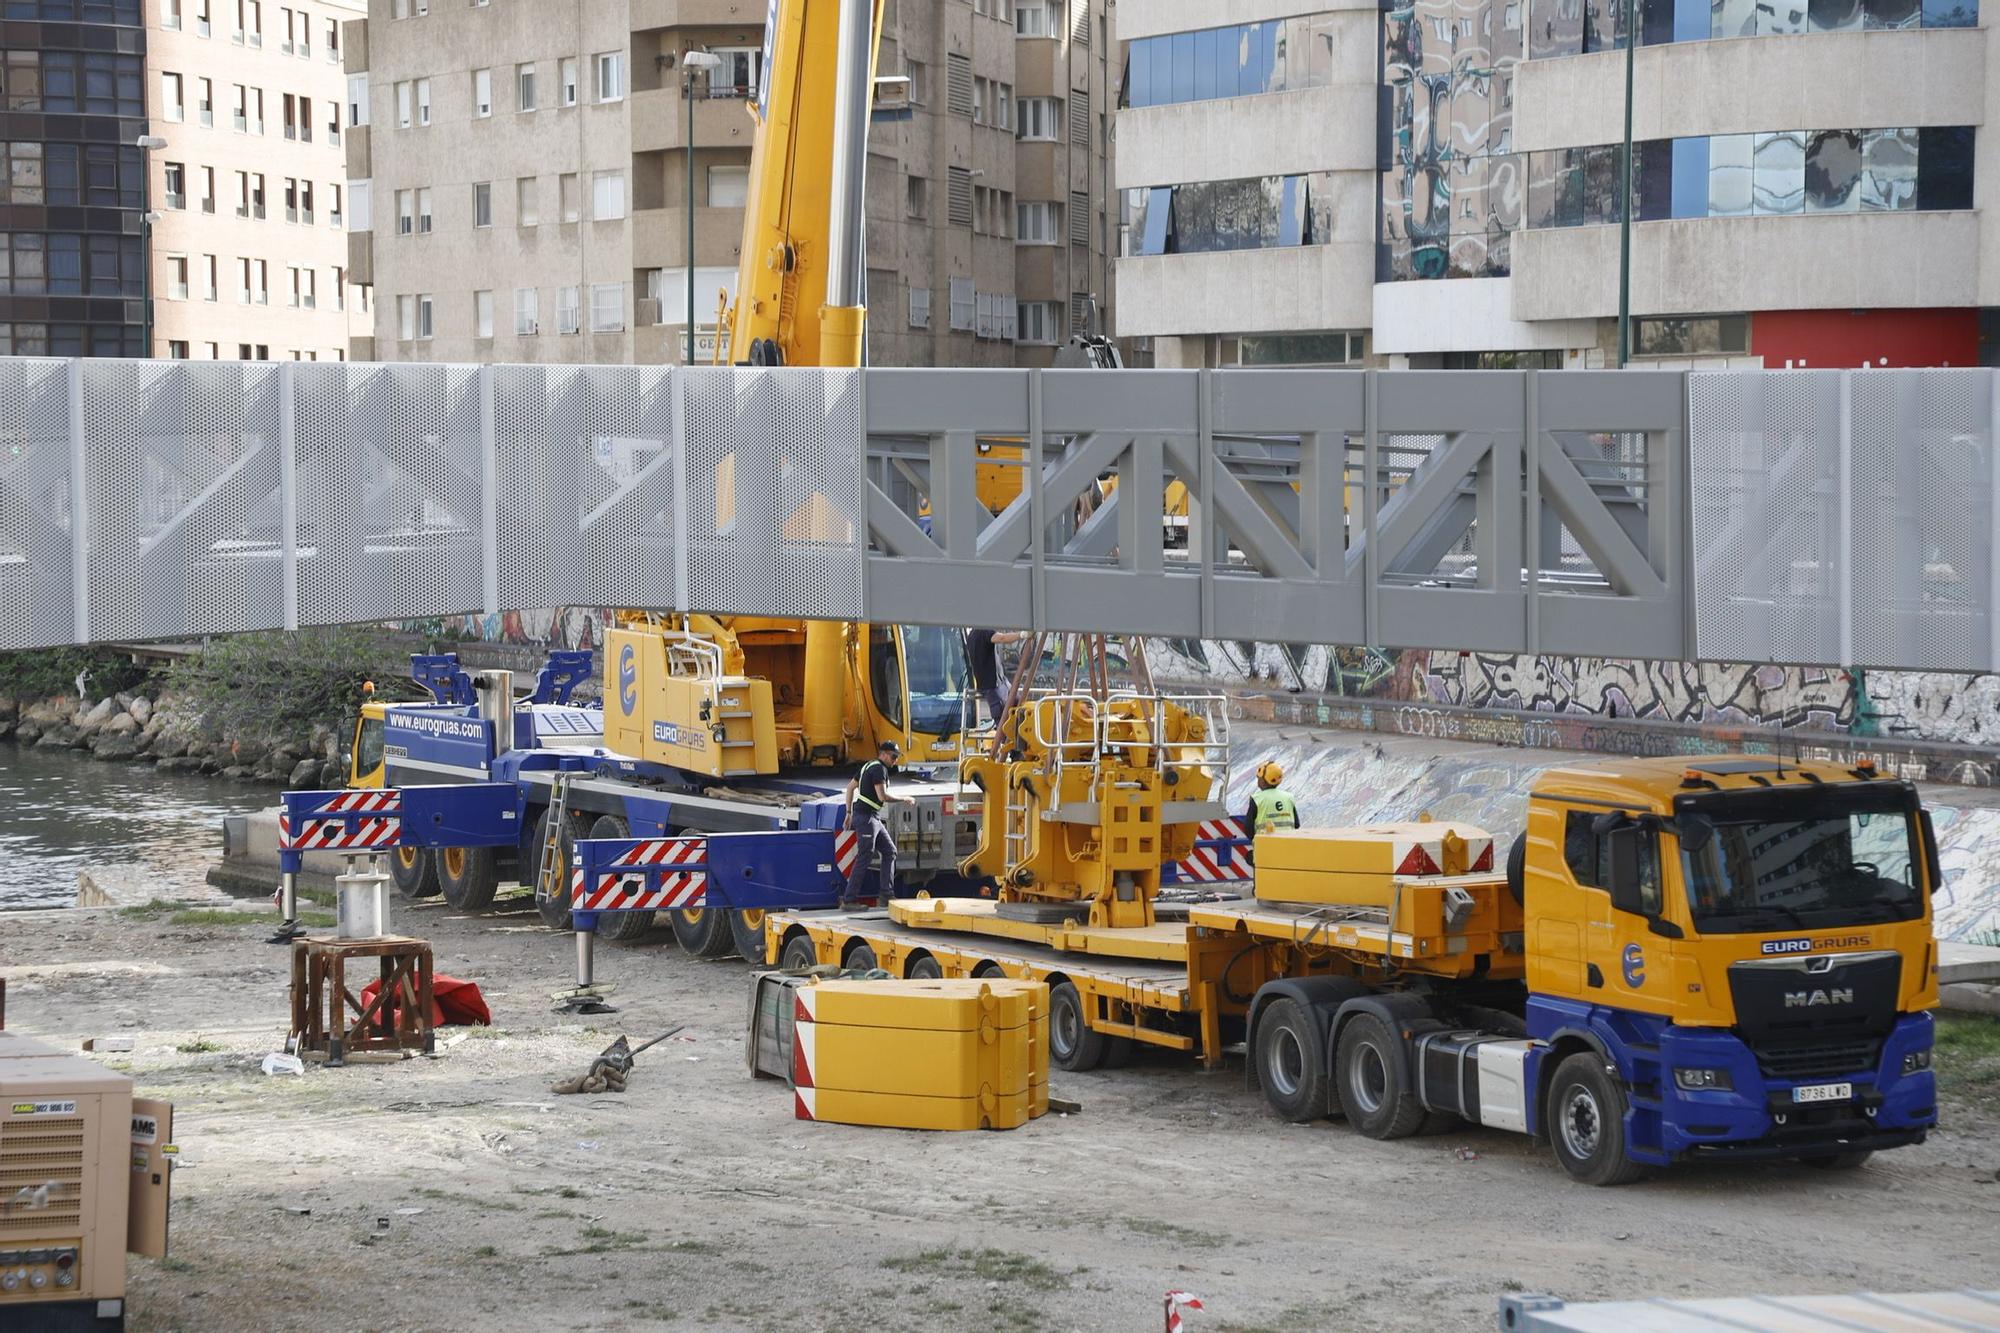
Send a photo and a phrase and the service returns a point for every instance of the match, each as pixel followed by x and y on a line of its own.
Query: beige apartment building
pixel 520 174
pixel 249 195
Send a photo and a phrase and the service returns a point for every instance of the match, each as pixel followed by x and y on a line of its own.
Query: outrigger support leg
pixel 586 997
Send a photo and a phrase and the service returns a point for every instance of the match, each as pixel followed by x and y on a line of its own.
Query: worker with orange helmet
pixel 1271 806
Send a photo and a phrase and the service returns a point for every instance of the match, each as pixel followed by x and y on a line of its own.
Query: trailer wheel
pixel 1373 1091
pixel 703 931
pixel 1289 1066
pixel 1072 1045
pixel 1840 1161
pixel 415 871
pixel 986 967
pixel 554 907
pixel 1586 1122
pixel 859 956
pixel 746 929
pixel 923 967
pixel 799 953
pixel 621 927
pixel 468 876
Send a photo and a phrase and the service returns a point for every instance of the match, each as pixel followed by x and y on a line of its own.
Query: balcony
pixel 659 237
pixel 360 160
pixel 361 257
pixel 649 14
pixel 659 120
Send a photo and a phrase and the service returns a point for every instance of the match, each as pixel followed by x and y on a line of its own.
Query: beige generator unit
pixel 83 1178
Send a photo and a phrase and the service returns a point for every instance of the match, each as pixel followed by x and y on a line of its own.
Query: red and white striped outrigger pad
pixel 347 819
pixel 846 846
pixel 666 873
pixel 1213 864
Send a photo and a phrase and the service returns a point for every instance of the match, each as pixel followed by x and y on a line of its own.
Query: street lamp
pixel 1625 194
pixel 691 62
pixel 147 143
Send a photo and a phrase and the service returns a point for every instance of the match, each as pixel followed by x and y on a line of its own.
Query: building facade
pixel 72 178
pixel 249 189
pixel 522 175
pixel 1806 183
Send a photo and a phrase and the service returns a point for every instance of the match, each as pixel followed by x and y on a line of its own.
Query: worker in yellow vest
pixel 1271 806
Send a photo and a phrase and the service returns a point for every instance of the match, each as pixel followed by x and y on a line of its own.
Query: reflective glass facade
pixel 72 182
pixel 1243 60
pixel 1258 213
pixel 1758 175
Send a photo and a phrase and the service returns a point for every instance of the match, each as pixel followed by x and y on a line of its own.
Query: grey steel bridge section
pixel 1795 516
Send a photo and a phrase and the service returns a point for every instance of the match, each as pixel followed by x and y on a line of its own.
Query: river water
pixel 130 827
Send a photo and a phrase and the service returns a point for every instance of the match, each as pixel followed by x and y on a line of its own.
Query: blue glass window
pixel 1207 83
pixel 1181 86
pixel 1690 177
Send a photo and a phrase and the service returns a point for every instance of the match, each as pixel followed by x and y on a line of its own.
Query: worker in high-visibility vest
pixel 1271 806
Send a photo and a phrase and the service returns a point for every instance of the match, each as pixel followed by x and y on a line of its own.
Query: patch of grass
pixel 472 1200
pixel 170 1264
pixel 1184 1236
pixel 486 1252
pixel 707 1248
pixel 1967 1056
pixel 156 907
pixel 223 916
pixel 199 1046
pixel 988 1265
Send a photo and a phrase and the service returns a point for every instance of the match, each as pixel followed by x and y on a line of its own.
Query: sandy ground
pixel 696 1199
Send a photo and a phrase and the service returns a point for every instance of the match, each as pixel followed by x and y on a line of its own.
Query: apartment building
pixel 1806 183
pixel 249 190
pixel 72 180
pixel 522 175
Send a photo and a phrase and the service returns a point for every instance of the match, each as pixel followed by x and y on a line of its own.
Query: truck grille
pixel 1824 1059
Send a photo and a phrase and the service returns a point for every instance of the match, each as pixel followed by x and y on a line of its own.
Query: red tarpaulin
pixel 452 1002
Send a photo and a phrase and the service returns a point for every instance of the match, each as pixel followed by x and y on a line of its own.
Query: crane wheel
pixel 414 871
pixel 746 930
pixel 703 931
pixel 620 927
pixel 1373 1090
pixel 859 956
pixel 467 876
pixel 1072 1044
pixel 554 908
pixel 1291 1065
pixel 986 967
pixel 1586 1122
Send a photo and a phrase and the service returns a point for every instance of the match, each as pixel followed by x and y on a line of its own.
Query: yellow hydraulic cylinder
pixel 826 685
pixel 840 329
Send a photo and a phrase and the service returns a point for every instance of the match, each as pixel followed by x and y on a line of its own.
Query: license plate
pixel 1824 1092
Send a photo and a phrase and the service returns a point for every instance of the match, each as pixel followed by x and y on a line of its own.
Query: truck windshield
pixel 1804 862
pixel 935 659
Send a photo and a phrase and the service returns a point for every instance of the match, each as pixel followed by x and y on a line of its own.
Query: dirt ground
pixel 695 1199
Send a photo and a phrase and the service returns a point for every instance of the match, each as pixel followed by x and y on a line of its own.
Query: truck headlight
pixel 1917 1060
pixel 1702 1080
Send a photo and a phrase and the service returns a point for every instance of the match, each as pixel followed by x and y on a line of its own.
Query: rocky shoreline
pixel 165 732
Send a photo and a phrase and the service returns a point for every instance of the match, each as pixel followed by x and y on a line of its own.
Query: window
pixel 170 13
pixel 424 307
pixel 610 67
pixel 978 100
pixel 1586 853
pixel 406 212
pixel 482 314
pixel 423 212
pixel 333 40
pixel 423 101
pixel 1003 107
pixel 920 307
pixel 205 101
pixel 362 218
pixel 566 190
pixel 357 99
pixel 728 187
pixel 291 116
pixel 566 310
pixel 257 195
pixel 202 28
pixel 739 75
pixel 406 317
pixel 1706 335
pixel 1039 117
pixel 482 93
pixel 339 288
pixel 177 349
pixel 524 87
pixel 526 212
pixel 1038 222
pixel 1249 59
pixel 333 215
pixel 177 278
pixel 333 122
pixel 958 84
pixel 914 70
pixel 566 76
pixel 1038 18
pixel 292 273
pixel 607 196
pixel 405 100
pixel 306 202
pixel 208 277
pixel 214 351
pixel 176 185
pixel 962 305
pixel 1256 214
pixel 482 204
pixel 208 189
pixel 913 197
pixel 607 307
pixel 526 302
pixel 958 196
pixel 171 106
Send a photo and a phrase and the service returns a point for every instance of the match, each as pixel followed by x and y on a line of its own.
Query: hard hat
pixel 1269 773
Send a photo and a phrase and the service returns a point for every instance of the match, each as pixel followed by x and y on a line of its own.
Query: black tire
pixel 467 876
pixel 1517 870
pixel 924 968
pixel 619 927
pixel 703 931
pixel 1118 1052
pixel 555 907
pixel 415 872
pixel 746 932
pixel 1368 1067
pixel 986 967
pixel 1291 1065
pixel 1586 1122
pixel 798 954
pixel 1072 1044
pixel 1840 1161
pixel 859 956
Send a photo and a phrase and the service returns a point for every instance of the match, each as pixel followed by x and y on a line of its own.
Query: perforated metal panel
pixel 37 588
